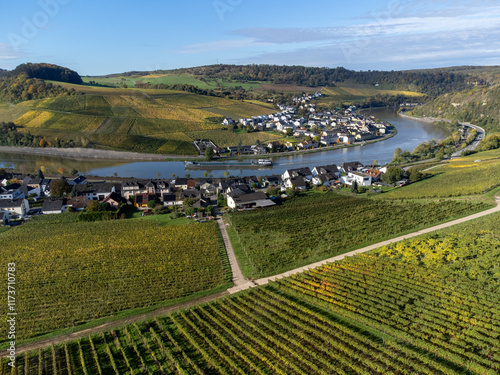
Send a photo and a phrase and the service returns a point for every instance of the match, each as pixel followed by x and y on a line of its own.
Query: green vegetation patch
pixel 319 226
pixel 73 272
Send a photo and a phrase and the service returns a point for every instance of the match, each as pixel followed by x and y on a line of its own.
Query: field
pixel 475 174
pixel 73 272
pixel 319 226
pixel 358 92
pixel 155 121
pixel 10 112
pixel 169 79
pixel 426 306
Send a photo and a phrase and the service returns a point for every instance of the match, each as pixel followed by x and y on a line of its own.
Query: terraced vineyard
pixel 425 306
pixel 158 121
pixel 74 272
pixel 316 227
pixel 475 174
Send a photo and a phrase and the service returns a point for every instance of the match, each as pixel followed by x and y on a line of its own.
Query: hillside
pixel 478 106
pixel 155 121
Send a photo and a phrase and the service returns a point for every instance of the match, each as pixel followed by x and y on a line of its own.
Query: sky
pixel 97 37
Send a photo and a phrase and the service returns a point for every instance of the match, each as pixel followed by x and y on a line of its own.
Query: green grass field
pixel 74 272
pixel 170 79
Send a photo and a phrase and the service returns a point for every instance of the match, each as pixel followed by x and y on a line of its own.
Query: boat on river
pixel 228 164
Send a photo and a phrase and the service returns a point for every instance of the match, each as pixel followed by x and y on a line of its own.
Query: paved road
pixel 480 136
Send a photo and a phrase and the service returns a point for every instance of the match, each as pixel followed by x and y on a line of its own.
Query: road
pixel 480 136
pixel 240 283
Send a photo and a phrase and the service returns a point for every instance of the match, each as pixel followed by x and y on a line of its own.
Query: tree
pixel 415 175
pixel 188 202
pixel 273 191
pixel 209 153
pixel 221 202
pixel 440 154
pixel 291 192
pixel 74 172
pixel 205 174
pixel 397 155
pixel 354 187
pixel 59 188
pixel 226 174
pixel 289 132
pixel 60 170
pixel 392 175
pixel 152 204
pixel 93 206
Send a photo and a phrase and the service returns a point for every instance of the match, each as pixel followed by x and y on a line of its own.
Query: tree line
pixel 431 82
pixel 11 136
pixel 21 87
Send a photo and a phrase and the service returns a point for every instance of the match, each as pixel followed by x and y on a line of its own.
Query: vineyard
pixel 73 272
pixel 316 227
pixel 459 177
pixel 143 121
pixel 425 306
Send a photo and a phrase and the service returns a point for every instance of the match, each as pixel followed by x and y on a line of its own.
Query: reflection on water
pixel 51 164
pixel 410 134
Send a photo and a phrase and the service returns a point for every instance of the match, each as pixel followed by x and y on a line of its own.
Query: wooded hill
pixel 478 106
pixel 432 82
pixel 27 82
pixel 49 72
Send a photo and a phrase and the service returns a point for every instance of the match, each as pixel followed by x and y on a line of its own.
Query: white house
pixel 361 179
pixel 11 194
pixel 324 179
pixel 15 208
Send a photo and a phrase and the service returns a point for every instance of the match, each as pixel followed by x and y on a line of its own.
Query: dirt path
pixel 240 282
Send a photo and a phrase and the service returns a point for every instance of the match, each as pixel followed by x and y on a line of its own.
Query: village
pixel 320 129
pixel 22 196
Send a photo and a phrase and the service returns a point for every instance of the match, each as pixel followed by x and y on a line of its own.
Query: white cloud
pixel 222 45
pixel 382 25
pixel 7 52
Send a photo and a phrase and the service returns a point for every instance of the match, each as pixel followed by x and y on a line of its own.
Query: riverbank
pixel 90 153
pixel 427 120
pixel 97 154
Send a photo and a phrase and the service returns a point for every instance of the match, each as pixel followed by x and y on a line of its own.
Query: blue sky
pixel 109 36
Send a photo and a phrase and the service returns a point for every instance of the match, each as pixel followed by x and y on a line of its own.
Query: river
pixel 410 134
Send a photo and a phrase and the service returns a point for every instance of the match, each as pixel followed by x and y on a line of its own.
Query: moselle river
pixel 410 134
